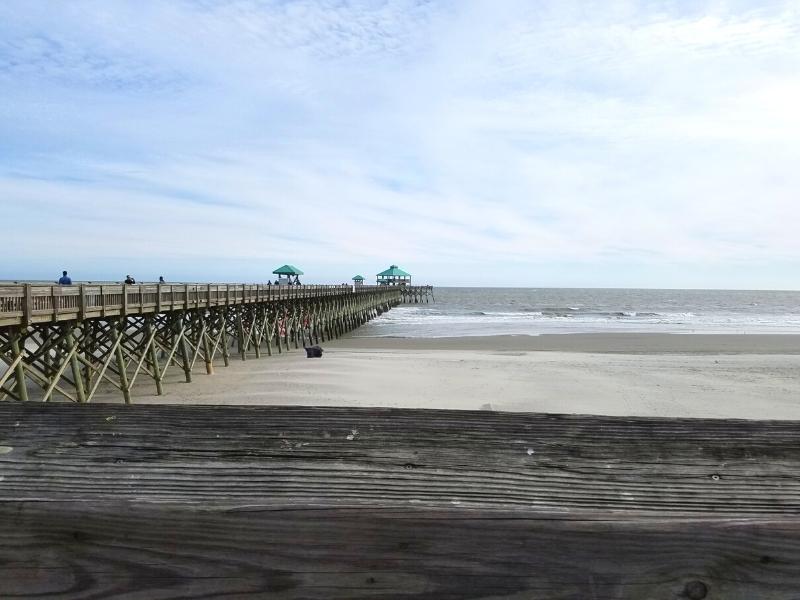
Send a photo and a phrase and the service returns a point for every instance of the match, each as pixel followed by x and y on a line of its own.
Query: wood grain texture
pixel 166 501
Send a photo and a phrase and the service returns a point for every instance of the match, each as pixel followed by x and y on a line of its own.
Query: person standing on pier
pixel 129 280
pixel 64 279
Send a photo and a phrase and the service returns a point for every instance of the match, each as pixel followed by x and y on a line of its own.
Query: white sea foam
pixel 485 311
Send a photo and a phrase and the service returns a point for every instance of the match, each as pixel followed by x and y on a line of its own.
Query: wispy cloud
pixel 474 142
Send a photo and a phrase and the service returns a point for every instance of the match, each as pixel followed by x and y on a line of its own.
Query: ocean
pixel 461 312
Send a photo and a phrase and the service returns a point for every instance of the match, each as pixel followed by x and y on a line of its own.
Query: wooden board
pixel 291 502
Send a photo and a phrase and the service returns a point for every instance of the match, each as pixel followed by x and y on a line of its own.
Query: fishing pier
pixel 65 342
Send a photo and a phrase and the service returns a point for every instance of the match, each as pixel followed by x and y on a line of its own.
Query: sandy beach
pixel 733 376
pixel 629 343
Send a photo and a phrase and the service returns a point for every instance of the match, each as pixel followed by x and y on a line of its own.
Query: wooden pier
pixel 67 341
pixel 163 502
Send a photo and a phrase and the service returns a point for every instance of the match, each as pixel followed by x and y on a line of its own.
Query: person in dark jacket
pixel 64 279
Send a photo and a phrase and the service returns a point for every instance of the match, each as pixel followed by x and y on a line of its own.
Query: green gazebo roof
pixel 394 271
pixel 287 270
pixel 358 278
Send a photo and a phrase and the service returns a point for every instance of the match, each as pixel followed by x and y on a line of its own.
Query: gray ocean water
pixel 528 311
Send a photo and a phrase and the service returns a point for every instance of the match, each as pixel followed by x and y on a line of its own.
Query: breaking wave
pixel 493 311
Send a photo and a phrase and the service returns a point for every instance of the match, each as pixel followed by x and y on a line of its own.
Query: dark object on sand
pixel 313 352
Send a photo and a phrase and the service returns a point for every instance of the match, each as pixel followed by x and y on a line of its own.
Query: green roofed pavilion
pixel 286 273
pixel 287 270
pixel 394 275
pixel 358 280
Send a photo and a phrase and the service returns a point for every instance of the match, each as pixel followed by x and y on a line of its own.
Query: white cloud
pixel 463 137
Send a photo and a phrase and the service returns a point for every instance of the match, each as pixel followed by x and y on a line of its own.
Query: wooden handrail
pixel 25 303
pixel 342 502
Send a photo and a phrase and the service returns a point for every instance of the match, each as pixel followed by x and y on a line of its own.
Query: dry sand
pixel 736 376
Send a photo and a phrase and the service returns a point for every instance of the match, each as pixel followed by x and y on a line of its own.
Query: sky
pixel 472 142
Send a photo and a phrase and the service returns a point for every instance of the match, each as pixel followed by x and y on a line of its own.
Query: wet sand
pixel 725 376
pixel 629 343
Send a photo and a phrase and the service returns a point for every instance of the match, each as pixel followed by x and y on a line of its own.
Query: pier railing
pixel 294 502
pixel 28 303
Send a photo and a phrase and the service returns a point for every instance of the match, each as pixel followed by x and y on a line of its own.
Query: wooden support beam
pixel 240 335
pixel 154 365
pixel 77 376
pixel 208 356
pixel 183 344
pixel 19 370
pixel 225 344
pixel 117 336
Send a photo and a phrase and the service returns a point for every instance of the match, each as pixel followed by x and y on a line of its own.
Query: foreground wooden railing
pixel 329 503
pixel 28 303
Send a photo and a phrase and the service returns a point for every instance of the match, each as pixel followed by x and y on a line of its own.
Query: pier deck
pixel 276 502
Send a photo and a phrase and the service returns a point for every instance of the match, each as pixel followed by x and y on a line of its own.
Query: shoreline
pixel 594 343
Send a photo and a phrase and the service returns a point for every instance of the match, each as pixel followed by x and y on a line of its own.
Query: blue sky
pixel 510 142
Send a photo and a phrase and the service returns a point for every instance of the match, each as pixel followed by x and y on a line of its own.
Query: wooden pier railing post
pixel 82 302
pixel 27 305
pixel 55 300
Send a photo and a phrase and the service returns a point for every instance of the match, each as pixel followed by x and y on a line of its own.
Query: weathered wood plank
pixel 164 551
pixel 549 462
pixel 297 502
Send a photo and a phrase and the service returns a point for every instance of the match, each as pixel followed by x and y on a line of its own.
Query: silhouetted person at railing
pixel 64 279
pixel 129 280
pixel 161 279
